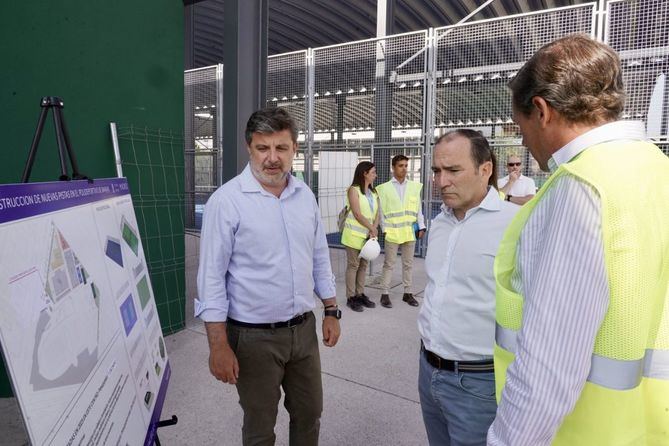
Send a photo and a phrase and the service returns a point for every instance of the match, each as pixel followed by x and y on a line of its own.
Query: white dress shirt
pixel 261 257
pixel 522 187
pixel 560 271
pixel 457 318
pixel 400 188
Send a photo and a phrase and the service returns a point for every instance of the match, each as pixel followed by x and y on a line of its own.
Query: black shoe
pixel 364 300
pixel 354 304
pixel 385 301
pixel 408 298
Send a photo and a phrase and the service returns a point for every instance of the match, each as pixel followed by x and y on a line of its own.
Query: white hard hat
pixel 370 250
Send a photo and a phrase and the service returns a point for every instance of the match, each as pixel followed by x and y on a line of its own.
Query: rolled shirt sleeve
pixel 217 239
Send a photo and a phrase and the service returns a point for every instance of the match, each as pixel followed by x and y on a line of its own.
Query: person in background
pixel 401 210
pixel 361 223
pixel 517 188
pixel 263 254
pixel 456 322
pixel 582 274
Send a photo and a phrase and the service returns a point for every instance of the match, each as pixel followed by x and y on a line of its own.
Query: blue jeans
pixel 458 407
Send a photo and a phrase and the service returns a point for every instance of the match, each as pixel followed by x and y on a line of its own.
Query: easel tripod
pixel 62 138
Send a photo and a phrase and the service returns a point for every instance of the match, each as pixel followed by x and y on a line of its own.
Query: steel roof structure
pixel 300 24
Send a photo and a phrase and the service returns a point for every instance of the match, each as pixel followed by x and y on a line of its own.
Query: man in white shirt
pixel 517 188
pixel 457 320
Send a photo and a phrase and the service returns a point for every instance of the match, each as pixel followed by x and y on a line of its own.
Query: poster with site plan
pixel 79 327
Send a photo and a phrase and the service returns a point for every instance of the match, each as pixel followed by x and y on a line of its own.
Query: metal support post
pixel 429 116
pixel 310 98
pixel 245 59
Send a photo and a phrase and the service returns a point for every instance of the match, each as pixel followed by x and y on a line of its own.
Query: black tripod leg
pixel 68 145
pixel 33 146
pixel 60 139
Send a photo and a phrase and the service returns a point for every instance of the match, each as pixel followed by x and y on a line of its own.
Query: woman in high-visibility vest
pixel 361 223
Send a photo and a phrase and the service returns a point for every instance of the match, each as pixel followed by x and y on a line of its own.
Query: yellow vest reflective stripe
pixel 354 234
pixel 607 372
pixel 626 396
pixel 399 217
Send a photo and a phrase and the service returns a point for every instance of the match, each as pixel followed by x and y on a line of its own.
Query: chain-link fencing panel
pixel 475 61
pixel 287 88
pixel 153 163
pixel 369 100
pixel 203 139
pixel 371 92
pixel 638 31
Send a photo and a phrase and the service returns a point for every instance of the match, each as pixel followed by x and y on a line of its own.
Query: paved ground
pixel 369 378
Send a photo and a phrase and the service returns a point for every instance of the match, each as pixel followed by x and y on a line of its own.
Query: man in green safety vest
pixel 401 211
pixel 582 273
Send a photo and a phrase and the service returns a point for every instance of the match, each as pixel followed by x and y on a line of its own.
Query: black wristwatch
pixel 329 311
pixel 508 197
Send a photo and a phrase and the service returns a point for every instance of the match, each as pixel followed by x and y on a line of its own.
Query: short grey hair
pixel 270 120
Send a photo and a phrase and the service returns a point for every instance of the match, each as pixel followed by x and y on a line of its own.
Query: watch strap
pixel 336 313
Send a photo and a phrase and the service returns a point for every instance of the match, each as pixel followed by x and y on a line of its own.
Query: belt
pixel 297 320
pixel 440 363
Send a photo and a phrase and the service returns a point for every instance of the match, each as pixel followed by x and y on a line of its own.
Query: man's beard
pixel 275 179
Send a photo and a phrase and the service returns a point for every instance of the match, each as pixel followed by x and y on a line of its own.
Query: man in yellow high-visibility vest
pixel 401 210
pixel 582 273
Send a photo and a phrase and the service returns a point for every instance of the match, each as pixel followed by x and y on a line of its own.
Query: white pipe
pixel 117 152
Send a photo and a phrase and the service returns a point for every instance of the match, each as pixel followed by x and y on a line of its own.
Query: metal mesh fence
pixel 287 85
pixel 372 99
pixel 287 88
pixel 368 100
pixel 203 100
pixel 638 31
pixel 474 63
pixel 153 163
pixel 369 91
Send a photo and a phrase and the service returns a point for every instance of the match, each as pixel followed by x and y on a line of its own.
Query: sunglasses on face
pixel 513 164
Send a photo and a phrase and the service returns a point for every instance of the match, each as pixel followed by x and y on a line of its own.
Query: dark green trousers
pixel 271 359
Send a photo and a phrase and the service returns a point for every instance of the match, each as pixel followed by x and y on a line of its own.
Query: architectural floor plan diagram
pixel 79 325
pixel 67 331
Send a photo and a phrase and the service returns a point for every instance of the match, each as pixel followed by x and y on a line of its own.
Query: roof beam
pixel 323 21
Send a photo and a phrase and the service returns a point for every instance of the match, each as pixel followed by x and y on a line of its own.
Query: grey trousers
pixel 355 272
pixel 271 359
pixel 389 259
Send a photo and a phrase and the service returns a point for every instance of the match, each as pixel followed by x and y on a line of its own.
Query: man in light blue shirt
pixel 263 254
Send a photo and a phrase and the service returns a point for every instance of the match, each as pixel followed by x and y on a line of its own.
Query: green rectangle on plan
pixel 130 238
pixel 143 291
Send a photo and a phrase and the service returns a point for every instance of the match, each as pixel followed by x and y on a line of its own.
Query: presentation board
pixel 79 326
